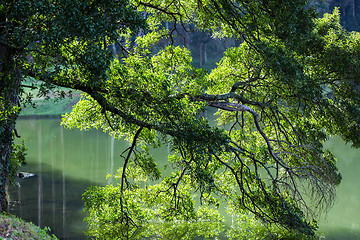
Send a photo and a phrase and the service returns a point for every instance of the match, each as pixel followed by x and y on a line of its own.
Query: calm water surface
pixel 67 162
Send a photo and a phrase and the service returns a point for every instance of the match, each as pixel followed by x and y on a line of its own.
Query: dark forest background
pixel 207 51
pixel 349 9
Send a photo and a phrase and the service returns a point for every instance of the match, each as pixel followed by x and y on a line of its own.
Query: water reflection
pixel 65 163
pixel 343 220
pixel 49 199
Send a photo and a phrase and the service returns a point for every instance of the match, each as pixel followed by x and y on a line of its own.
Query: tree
pixel 291 83
pixel 53 41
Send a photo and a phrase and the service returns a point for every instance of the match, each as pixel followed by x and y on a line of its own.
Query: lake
pixel 67 162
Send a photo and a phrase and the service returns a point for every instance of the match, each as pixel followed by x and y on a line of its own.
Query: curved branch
pixel 123 174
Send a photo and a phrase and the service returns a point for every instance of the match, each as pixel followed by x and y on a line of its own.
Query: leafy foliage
pixel 247 227
pixel 292 82
pixel 17 159
pixel 144 212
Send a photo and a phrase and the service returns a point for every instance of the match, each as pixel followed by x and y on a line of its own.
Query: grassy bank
pixel 16 229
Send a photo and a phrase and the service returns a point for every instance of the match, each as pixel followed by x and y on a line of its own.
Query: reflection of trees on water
pixel 45 199
pixel 59 158
pixel 40 177
pixel 50 199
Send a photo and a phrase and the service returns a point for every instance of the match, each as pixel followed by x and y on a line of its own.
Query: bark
pixel 201 54
pixel 9 95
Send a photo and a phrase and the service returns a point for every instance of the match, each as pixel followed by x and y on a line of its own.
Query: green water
pixel 343 220
pixel 67 162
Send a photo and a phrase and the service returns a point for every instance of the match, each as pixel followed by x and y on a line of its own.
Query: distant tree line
pixel 349 11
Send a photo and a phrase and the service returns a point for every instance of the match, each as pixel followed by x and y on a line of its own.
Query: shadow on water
pixel 50 199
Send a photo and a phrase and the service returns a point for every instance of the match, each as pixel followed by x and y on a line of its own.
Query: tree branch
pixel 123 175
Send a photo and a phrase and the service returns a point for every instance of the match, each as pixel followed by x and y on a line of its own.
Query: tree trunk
pixel 353 8
pixel 205 53
pixel 9 94
pixel 201 55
